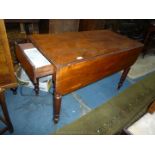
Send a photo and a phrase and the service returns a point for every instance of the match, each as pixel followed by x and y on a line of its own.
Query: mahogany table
pixel 81 58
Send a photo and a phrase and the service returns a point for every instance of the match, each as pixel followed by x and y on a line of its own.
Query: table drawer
pixel 28 64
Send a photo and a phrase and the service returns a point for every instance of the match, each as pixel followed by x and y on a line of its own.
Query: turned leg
pixel 14 90
pixel 36 86
pixel 56 106
pixel 123 77
pixel 5 112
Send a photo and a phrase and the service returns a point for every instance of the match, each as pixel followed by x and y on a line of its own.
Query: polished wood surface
pixel 80 58
pixel 72 77
pixel 64 48
pixel 7 77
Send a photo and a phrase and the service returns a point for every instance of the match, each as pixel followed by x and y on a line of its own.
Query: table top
pixel 71 47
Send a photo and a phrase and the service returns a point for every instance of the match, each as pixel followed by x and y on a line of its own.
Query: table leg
pixel 22 28
pixel 5 111
pixel 123 77
pixel 56 106
pixel 14 90
pixel 36 87
pixel 146 43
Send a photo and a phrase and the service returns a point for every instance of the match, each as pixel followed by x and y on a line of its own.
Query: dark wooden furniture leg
pixel 7 120
pixel 146 43
pixel 150 31
pixel 14 90
pixel 123 77
pixel 36 87
pixel 56 106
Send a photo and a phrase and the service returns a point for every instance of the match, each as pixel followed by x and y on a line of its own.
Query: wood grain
pixel 7 77
pixel 74 76
pixel 63 49
pixel 81 58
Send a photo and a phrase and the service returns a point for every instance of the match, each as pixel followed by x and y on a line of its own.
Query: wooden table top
pixel 71 47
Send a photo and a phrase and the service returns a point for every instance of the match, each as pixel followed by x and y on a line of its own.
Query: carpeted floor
pixel 32 114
